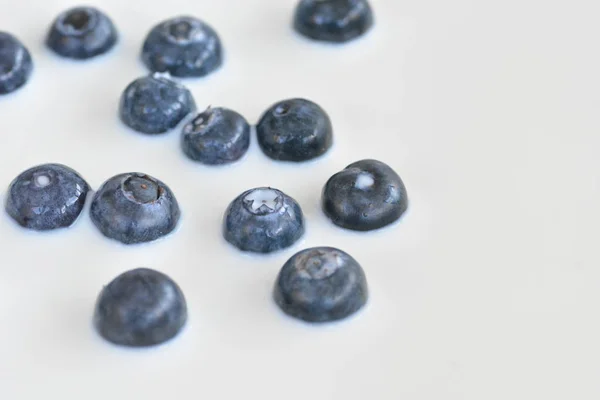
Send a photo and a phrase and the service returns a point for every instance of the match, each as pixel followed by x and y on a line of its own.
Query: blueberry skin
pixel 15 63
pixel 184 47
pixel 335 21
pixel 294 130
pixel 141 307
pixel 367 195
pixel 81 33
pixel 216 136
pixel 155 104
pixel 46 197
pixel 134 208
pixel 321 284
pixel 263 220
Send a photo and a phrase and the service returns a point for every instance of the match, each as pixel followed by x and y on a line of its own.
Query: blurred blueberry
pixel 141 307
pixel 15 63
pixel 134 208
pixel 46 197
pixel 154 104
pixel 81 33
pixel 263 220
pixel 336 21
pixel 183 47
pixel 321 284
pixel 294 130
pixel 366 195
pixel 216 136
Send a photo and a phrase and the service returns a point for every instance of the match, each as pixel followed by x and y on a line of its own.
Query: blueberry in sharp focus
pixel 336 21
pixel 367 195
pixel 321 284
pixel 216 136
pixel 81 33
pixel 183 47
pixel 154 104
pixel 46 197
pixel 294 130
pixel 15 63
pixel 141 307
pixel 263 220
pixel 134 208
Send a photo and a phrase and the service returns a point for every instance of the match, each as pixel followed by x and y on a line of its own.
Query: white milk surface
pixel 488 288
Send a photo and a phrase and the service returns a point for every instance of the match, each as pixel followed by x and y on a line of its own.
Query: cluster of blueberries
pixel 144 307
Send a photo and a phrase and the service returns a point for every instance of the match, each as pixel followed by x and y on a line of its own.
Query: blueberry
pixel 294 130
pixel 367 195
pixel 154 104
pixel 141 307
pixel 46 197
pixel 263 220
pixel 183 47
pixel 134 208
pixel 216 136
pixel 336 21
pixel 321 284
pixel 81 33
pixel 15 63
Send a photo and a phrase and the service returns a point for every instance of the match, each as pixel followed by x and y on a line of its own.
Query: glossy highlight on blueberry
pixel 15 63
pixel 263 220
pixel 81 33
pixel 154 104
pixel 139 308
pixel 134 208
pixel 335 21
pixel 366 195
pixel 216 136
pixel 184 47
pixel 46 197
pixel 321 284
pixel 294 130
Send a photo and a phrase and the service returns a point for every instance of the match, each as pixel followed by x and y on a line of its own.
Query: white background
pixel 489 288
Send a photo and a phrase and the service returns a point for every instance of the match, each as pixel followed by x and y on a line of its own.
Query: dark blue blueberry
pixel 321 284
pixel 15 63
pixel 336 21
pixel 183 47
pixel 263 220
pixel 216 136
pixel 367 195
pixel 46 197
pixel 294 130
pixel 134 208
pixel 141 307
pixel 81 33
pixel 154 104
